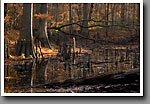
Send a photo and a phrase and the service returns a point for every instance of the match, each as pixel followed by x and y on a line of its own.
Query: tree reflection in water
pixel 38 72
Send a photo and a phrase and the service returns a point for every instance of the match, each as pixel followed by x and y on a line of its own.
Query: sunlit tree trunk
pixel 25 42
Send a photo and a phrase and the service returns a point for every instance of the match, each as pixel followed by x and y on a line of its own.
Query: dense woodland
pixel 75 34
pixel 57 24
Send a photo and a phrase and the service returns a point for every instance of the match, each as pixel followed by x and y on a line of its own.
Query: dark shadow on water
pixel 45 71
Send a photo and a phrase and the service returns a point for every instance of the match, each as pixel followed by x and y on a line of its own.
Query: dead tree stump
pixel 6 47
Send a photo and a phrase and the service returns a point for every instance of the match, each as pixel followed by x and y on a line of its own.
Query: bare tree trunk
pixel 5 13
pixel 107 13
pixel 5 9
pixel 138 13
pixel 43 36
pixel 6 47
pixel 56 14
pixel 85 16
pixel 116 13
pixel 70 17
pixel 25 42
pixel 74 49
pixel 113 13
pixel 122 12
pixel 133 14
pixel 128 13
pixel 78 11
pixel 101 11
pixel 112 22
pixel 91 10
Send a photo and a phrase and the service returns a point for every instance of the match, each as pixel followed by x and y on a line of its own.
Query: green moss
pixel 23 55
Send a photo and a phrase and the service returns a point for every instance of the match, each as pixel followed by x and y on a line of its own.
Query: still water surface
pixel 24 74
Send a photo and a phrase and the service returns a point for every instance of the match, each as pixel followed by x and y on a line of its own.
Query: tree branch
pixel 99 25
pixel 82 36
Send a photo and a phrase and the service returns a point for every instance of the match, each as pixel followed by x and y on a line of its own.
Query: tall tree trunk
pixel 85 17
pixel 112 22
pixel 107 17
pixel 128 13
pixel 116 14
pixel 70 21
pixel 5 13
pixel 101 11
pixel 122 12
pixel 25 42
pixel 78 11
pixel 70 17
pixel 138 12
pixel 113 13
pixel 91 10
pixel 43 36
pixel 36 20
pixel 5 9
pixel 133 14
pixel 56 13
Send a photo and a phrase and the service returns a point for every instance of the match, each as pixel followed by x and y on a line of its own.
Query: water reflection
pixel 37 72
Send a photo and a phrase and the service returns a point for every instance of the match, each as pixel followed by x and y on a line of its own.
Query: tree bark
pixel 128 13
pixel 43 36
pixel 70 17
pixel 122 12
pixel 113 14
pixel 25 42
pixel 91 10
pixel 116 14
pixel 107 13
pixel 85 17
pixel 78 11
pixel 5 9
pixel 138 12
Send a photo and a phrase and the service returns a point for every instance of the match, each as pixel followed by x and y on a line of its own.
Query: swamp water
pixel 30 75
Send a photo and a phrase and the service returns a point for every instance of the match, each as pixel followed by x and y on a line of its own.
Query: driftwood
pixel 121 77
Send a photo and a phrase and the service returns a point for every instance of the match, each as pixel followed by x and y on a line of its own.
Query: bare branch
pixel 99 25
pixel 82 36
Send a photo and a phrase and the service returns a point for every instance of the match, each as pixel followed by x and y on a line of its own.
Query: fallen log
pixel 122 77
pixel 111 78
